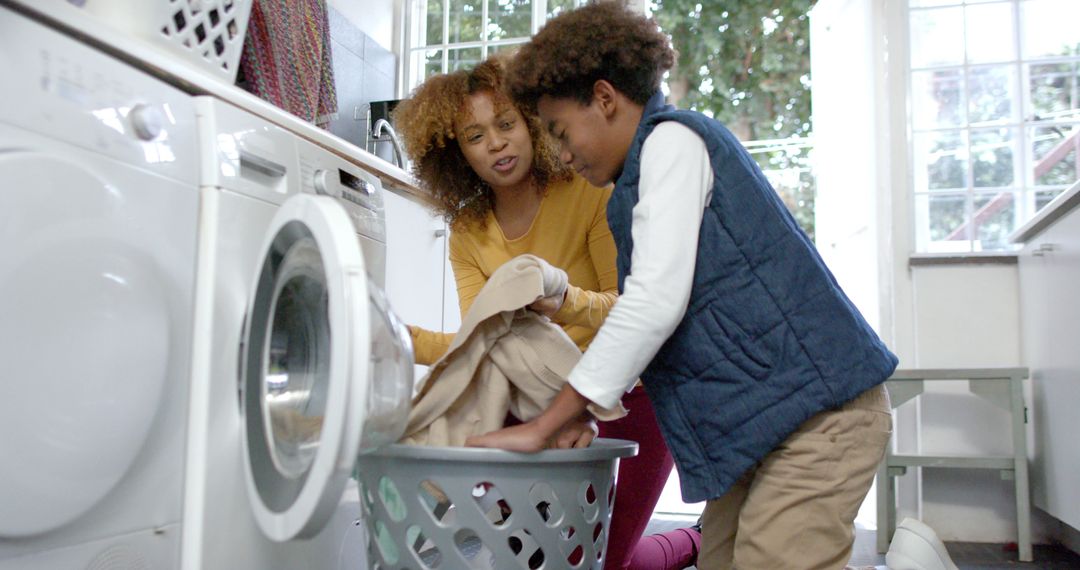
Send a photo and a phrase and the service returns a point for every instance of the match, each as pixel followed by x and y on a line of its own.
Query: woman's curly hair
pixel 425 122
pixel 604 40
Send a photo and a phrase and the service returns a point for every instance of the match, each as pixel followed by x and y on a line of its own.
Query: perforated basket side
pixel 480 512
pixel 206 34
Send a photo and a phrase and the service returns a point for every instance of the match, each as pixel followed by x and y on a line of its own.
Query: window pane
pixel 994 219
pixel 940 223
pixel 991 94
pixel 556 7
pixel 434 11
pixel 937 98
pixel 941 161
pixel 932 3
pixel 1054 91
pixel 992 157
pixel 1044 198
pixel 504 48
pixel 423 64
pixel 1049 28
pixel 509 19
pixel 936 37
pixel 465 20
pixel 990 33
pixel 464 58
pixel 1056 154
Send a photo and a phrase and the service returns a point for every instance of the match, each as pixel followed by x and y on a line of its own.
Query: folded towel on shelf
pixel 287 58
pixel 505 358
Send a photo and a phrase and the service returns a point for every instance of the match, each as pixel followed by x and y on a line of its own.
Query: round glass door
pixel 305 356
pixel 390 374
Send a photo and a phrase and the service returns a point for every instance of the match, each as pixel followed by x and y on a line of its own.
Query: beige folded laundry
pixel 504 358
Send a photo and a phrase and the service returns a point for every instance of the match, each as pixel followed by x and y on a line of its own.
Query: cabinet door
pixel 415 263
pixel 1050 305
pixel 451 308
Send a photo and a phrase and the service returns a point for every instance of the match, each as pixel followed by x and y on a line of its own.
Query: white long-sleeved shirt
pixel 675 185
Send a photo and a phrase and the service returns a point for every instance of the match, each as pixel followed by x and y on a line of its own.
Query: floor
pixel 966 555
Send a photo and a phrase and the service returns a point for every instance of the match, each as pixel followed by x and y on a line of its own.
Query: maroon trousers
pixel 640 481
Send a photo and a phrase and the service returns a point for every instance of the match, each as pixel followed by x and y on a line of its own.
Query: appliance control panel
pixel 64 89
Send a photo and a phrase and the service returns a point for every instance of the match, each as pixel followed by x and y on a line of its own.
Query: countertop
pixel 187 77
pixel 1058 207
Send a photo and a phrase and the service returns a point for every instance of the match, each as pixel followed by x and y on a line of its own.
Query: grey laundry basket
pixel 453 508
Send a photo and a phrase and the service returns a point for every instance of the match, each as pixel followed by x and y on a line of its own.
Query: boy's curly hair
pixel 425 122
pixel 604 40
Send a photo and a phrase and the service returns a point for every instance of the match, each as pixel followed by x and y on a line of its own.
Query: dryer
pixel 298 364
pixel 98 214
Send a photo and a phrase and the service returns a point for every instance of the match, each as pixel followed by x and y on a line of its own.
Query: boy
pixel 765 379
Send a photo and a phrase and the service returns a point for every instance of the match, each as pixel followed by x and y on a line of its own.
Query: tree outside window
pixel 744 63
pixel 747 64
pixel 447 35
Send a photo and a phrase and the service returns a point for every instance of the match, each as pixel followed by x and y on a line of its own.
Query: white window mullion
pixel 1023 158
pixel 446 35
pixel 539 15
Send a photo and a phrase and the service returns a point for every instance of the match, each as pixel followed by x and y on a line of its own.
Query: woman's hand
pixel 548 306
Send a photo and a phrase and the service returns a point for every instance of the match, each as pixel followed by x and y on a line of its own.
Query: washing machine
pixel 98 219
pixel 298 363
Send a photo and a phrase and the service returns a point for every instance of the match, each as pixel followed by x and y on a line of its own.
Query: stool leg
pixel 1023 496
pixel 884 505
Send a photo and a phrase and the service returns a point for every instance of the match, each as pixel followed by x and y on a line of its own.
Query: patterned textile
pixel 286 58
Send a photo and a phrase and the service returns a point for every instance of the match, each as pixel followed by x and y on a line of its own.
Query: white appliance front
pixel 98 214
pixel 285 331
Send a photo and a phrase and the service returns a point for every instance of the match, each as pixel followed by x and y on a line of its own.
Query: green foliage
pixel 748 65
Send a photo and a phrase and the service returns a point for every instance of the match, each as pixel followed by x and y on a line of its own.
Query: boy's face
pixel 587 141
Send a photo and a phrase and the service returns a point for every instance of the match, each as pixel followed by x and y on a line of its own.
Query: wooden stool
pixel 1001 386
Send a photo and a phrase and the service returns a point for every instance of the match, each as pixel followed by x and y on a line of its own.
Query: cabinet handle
pixel 1043 249
pixel 440 232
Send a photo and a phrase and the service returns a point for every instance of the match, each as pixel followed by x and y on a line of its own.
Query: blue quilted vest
pixel 768 339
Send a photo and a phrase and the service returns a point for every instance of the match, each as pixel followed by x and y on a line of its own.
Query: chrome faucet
pixel 377 134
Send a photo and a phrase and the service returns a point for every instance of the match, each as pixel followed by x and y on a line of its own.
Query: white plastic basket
pixel 446 508
pixel 207 34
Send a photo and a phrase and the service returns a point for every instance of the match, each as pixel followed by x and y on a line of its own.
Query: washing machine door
pixel 305 367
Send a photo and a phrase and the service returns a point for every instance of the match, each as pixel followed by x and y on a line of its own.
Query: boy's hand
pixel 567 409
pixel 529 438
pixel 577 434
pixel 526 438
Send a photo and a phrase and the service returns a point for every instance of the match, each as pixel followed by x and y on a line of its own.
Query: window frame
pixel 1027 195
pixel 415 36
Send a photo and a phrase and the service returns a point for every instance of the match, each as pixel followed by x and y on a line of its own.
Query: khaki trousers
pixel 796 509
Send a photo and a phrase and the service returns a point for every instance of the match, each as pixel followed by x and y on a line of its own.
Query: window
pixel 447 35
pixel 994 116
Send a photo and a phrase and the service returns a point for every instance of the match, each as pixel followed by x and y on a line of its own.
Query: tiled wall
pixel 364 71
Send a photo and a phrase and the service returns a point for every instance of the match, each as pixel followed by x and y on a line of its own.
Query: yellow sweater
pixel 569 231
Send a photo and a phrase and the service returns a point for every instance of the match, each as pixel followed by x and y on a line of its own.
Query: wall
pixel 377 19
pixel 944 315
pixel 848 172
pixel 365 70
pixel 965 315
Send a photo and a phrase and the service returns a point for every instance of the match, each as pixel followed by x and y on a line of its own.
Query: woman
pixel 497 179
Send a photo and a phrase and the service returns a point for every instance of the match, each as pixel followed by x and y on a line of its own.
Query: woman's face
pixel 495 141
